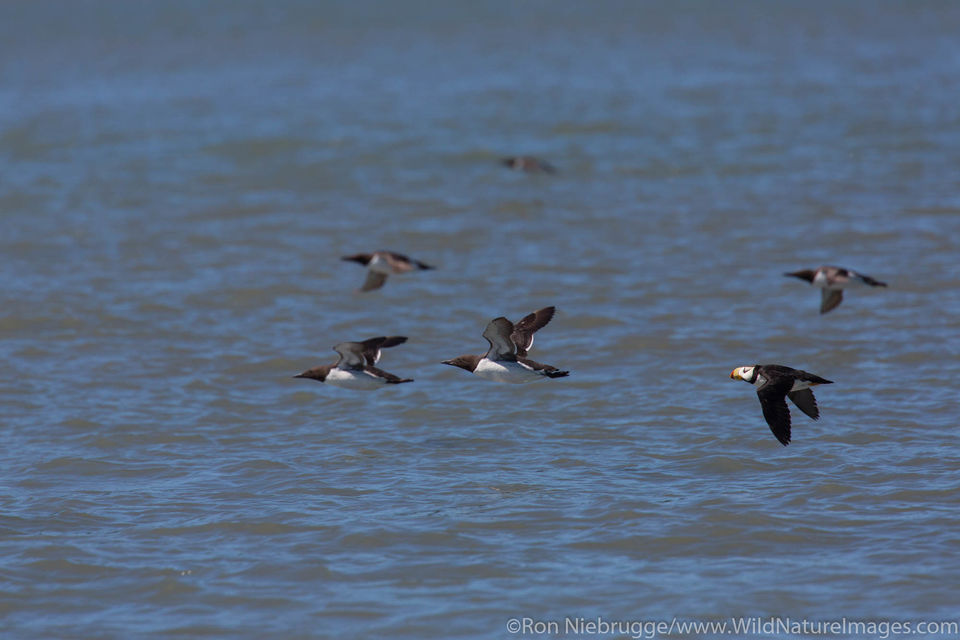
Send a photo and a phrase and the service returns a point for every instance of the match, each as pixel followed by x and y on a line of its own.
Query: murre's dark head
pixel 317 373
pixel 803 274
pixel 464 362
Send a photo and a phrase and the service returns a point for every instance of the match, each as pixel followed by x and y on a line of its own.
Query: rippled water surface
pixel 179 180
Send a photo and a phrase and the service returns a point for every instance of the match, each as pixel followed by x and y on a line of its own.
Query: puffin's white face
pixel 742 373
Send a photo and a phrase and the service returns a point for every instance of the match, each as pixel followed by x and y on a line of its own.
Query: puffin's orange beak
pixel 734 375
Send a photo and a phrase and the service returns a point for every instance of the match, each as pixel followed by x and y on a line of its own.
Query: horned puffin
pixel 775 383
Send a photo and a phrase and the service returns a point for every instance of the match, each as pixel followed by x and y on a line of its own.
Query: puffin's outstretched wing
pixel 773 401
pixel 805 402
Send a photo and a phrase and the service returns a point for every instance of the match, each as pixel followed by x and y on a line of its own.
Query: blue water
pixel 179 181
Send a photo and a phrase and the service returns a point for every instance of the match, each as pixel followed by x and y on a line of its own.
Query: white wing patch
pixel 530 346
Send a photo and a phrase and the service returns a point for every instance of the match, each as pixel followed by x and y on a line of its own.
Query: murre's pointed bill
pixel 354 368
pixel 832 281
pixel 528 164
pixel 505 360
pixel 775 383
pixel 380 264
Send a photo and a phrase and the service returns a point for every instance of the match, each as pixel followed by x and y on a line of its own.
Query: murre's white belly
pixel 354 379
pixel 821 281
pixel 380 265
pixel 500 371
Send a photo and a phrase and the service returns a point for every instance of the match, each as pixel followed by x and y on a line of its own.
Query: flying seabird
pixel 380 264
pixel 354 369
pixel 832 281
pixel 505 360
pixel 775 383
pixel 528 164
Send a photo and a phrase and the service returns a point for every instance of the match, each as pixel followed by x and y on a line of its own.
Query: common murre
pixel 832 281
pixel 354 368
pixel 505 360
pixel 528 164
pixel 775 383
pixel 380 264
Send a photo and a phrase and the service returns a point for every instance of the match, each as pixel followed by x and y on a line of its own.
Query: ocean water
pixel 179 180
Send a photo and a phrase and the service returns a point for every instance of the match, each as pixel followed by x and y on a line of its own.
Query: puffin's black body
pixel 775 383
